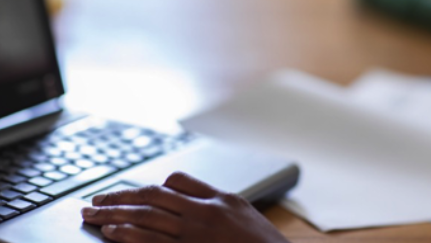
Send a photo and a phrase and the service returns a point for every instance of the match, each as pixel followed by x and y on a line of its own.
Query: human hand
pixel 183 210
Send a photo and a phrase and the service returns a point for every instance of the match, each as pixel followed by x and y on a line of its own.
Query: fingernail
pixel 90 212
pixel 99 199
pixel 108 229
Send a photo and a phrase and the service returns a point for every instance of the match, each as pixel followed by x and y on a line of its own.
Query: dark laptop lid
pixel 29 72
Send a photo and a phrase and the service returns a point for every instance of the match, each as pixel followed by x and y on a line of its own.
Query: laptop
pixel 53 161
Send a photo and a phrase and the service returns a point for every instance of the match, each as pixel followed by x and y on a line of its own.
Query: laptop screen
pixel 29 73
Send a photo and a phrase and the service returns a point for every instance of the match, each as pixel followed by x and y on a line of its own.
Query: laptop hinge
pixel 38 126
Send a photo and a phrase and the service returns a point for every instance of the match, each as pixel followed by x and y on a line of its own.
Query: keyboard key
pixel 55 175
pixel 70 169
pixel 131 134
pixel 125 148
pixel 24 188
pixel 21 205
pixel 38 198
pixel 28 172
pixel 84 178
pixel 2 202
pixel 14 179
pixel 79 140
pixel 134 158
pixel 66 146
pixel 121 164
pixel 7 213
pixel 58 161
pixel 152 151
pixel 51 151
pixel 40 181
pixel 44 167
pixel 38 157
pixel 88 150
pixel 104 138
pixel 142 141
pixel 72 156
pixel 22 162
pixel 84 163
pixel 102 145
pixel 100 158
pixel 10 195
pixel 95 130
pixel 44 143
pixel 113 153
pixel 4 185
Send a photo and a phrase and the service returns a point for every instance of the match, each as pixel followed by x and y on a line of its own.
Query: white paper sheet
pixel 359 168
pixel 404 97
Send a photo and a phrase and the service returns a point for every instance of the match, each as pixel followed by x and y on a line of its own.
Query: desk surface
pixel 186 55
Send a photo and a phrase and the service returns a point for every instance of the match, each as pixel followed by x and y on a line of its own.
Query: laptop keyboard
pixel 37 171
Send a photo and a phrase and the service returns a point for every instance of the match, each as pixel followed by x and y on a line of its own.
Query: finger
pixel 141 216
pixel 127 233
pixel 155 196
pixel 188 185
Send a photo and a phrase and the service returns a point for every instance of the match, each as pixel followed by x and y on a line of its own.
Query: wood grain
pixel 298 231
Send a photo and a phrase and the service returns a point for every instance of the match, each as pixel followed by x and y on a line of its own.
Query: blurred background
pixel 153 62
pixel 170 59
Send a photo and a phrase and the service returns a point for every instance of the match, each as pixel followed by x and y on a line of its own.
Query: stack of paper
pixel 361 166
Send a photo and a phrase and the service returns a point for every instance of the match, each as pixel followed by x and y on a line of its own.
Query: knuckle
pixel 113 198
pixel 110 198
pixel 212 210
pixel 150 193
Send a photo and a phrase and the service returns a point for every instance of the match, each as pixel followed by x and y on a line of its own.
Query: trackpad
pixel 61 222
pixel 119 186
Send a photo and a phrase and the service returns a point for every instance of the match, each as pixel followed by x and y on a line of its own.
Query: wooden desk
pixel 225 45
